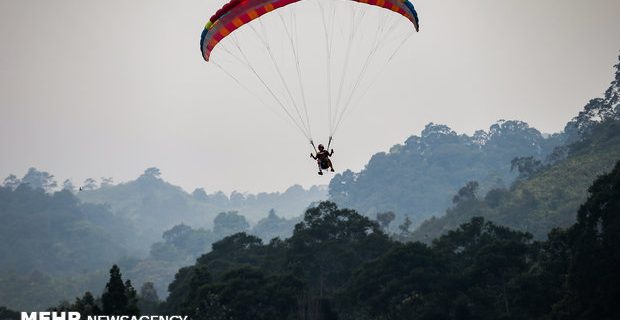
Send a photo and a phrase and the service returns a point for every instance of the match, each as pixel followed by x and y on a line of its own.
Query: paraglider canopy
pixel 360 37
pixel 236 13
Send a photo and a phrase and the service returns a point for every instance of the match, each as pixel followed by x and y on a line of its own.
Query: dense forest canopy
pixel 546 193
pixel 419 177
pixel 543 198
pixel 54 245
pixel 156 205
pixel 340 265
pixel 51 245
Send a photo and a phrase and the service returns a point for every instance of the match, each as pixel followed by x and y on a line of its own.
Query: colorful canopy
pixel 239 12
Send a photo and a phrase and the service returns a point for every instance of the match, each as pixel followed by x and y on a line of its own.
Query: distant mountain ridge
pixel 550 194
pixel 419 177
pixel 51 246
pixel 155 205
pixel 548 199
pixel 56 244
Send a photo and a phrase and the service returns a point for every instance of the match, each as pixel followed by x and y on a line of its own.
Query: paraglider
pixel 322 159
pixel 359 35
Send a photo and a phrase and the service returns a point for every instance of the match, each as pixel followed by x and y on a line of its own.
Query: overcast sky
pixel 109 88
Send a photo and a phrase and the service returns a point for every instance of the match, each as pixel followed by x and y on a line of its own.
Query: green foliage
pixel 485 271
pixel 548 198
pixel 593 283
pixel 385 218
pixel 148 301
pixel 322 253
pixel 247 293
pixel 119 298
pixel 86 306
pixel 391 285
pixel 153 205
pixel 114 298
pixel 36 179
pixel 230 222
pixel 274 226
pixel 7 314
pixel 52 247
pixel 419 178
pixel 345 267
pixel 183 244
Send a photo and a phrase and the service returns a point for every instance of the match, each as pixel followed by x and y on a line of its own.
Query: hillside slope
pixel 420 177
pixel 550 198
pixel 154 205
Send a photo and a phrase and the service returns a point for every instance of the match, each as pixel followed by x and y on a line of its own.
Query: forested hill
pixel 546 195
pixel 340 265
pixel 419 177
pixel 51 245
pixel 155 205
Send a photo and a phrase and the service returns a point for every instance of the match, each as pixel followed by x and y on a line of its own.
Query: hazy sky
pixel 108 88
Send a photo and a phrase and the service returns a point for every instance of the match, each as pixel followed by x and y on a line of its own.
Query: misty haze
pixel 310 159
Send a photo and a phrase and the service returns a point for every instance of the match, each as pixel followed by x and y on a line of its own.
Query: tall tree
pixel 39 180
pixel 89 184
pixel 385 218
pixel 114 298
pixel 132 300
pixel 86 306
pixel 152 172
pixel 593 280
pixel 11 182
pixel 68 185
pixel 227 223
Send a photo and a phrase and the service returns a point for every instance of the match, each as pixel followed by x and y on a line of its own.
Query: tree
pixel 132 300
pixel 237 198
pixel 483 258
pixel 226 223
pixel 273 226
pixel 466 193
pixel 152 172
pixel 385 218
pixel 11 182
pixel 405 226
pixel 596 111
pixel 526 166
pixel 118 297
pixel 200 194
pixel 89 184
pixel 107 182
pixel 39 180
pixel 593 281
pixel 176 233
pixel 68 185
pixel 148 292
pixel 148 302
pixel 86 305
pixel 327 245
pixel 420 177
pixel 397 284
pixel 247 293
pixel 8 314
